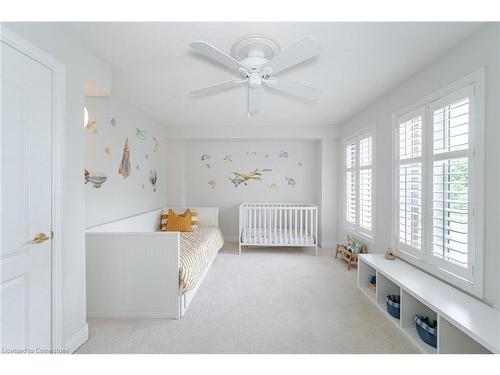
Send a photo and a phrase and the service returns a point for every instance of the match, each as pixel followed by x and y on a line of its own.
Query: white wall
pixel 246 156
pixel 480 50
pixel 118 198
pixel 82 68
pixel 328 192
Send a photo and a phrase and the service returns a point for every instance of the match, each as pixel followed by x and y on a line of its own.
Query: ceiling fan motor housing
pixel 255 50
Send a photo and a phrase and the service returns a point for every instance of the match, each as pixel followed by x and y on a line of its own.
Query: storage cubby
pixel 386 287
pixel 410 306
pixel 451 340
pixel 365 273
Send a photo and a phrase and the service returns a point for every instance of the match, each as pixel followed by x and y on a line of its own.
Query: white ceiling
pixel 154 68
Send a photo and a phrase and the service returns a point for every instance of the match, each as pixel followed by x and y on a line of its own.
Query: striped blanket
pixel 197 250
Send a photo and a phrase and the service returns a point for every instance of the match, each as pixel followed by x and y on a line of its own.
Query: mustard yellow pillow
pixel 179 223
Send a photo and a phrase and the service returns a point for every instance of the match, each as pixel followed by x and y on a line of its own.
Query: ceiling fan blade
pixel 218 87
pixel 254 99
pixel 293 88
pixel 217 55
pixel 302 51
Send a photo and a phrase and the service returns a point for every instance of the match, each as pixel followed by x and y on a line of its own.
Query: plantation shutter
pixel 410 196
pixel 451 214
pixel 351 156
pixel 365 182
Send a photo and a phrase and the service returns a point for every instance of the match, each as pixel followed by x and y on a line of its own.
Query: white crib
pixel 278 224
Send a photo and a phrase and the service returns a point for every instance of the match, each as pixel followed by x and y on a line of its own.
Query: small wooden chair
pixel 349 252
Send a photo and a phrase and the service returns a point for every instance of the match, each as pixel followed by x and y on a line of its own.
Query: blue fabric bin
pixel 427 330
pixel 393 305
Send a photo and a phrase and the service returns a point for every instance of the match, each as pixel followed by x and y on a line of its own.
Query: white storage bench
pixel 465 325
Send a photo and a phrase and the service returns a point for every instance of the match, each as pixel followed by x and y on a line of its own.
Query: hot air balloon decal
pixel 152 178
pixel 96 178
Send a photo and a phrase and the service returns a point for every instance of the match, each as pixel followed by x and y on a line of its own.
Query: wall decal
pixel 273 186
pixel 156 145
pixel 251 153
pixel 140 134
pixel 113 122
pixel 266 156
pixel 124 168
pixel 205 157
pixel 300 164
pixel 244 178
pixel 152 178
pixel 208 165
pixel 291 182
pixel 107 151
pixel 137 167
pixel 96 178
pixel 91 128
pixel 228 157
pixel 211 183
pixel 146 155
pixel 283 154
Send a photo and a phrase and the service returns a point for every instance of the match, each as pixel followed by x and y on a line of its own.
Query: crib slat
pixel 254 218
pixel 295 226
pixel 306 221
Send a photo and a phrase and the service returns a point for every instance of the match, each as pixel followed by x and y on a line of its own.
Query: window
pixel 410 182
pixel 436 188
pixel 449 223
pixel 359 183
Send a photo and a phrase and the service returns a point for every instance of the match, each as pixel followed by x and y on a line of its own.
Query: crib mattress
pixel 197 251
pixel 277 238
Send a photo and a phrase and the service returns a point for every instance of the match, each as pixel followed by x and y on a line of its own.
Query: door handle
pixel 40 238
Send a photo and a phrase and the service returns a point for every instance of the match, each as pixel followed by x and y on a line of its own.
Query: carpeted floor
pixel 264 301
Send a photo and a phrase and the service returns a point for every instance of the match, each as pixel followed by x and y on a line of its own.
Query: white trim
pixel 476 141
pixel 348 227
pixel 58 133
pixel 77 339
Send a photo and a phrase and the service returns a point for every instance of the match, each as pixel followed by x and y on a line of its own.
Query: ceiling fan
pixel 257 59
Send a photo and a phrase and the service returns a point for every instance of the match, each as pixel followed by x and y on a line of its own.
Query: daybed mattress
pixel 197 251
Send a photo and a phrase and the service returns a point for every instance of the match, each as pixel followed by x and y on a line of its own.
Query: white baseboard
pixel 77 339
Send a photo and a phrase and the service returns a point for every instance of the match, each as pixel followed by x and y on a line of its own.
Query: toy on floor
pixel 349 251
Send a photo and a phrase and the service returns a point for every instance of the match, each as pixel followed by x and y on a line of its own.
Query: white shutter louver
pixel 359 183
pixel 410 195
pixel 351 156
pixel 365 183
pixel 450 181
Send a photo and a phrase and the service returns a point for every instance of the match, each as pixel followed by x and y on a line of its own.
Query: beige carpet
pixel 264 301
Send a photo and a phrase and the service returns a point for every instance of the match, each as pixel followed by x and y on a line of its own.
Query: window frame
pixel 356 229
pixel 472 280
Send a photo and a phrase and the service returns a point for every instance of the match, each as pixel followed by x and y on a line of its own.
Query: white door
pixel 26 152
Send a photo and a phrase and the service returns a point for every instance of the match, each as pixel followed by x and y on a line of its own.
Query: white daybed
pixel 133 268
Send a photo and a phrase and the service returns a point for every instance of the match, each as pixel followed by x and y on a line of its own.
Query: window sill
pixel 472 287
pixel 362 236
